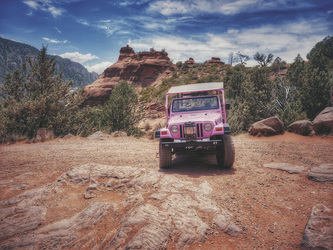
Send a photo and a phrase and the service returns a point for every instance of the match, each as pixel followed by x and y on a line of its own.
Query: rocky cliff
pixel 141 69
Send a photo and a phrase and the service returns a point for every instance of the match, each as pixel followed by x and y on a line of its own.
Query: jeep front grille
pixel 198 131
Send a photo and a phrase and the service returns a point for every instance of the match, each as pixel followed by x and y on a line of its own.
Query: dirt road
pixel 270 206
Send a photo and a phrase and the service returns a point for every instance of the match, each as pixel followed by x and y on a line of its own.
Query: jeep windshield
pixel 195 104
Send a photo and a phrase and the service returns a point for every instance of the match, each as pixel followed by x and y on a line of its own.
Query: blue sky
pixel 92 32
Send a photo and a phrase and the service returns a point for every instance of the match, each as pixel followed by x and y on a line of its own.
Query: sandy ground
pixel 270 206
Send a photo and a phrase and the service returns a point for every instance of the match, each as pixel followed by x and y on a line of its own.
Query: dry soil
pixel 271 206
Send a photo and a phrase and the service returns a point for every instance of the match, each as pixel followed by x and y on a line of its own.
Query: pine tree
pixel 121 112
pixel 34 98
pixel 260 93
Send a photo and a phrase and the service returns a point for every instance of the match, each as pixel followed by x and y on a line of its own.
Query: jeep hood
pixel 196 117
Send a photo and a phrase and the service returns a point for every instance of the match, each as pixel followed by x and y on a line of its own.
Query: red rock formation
pixel 143 69
pixel 190 62
pixel 214 60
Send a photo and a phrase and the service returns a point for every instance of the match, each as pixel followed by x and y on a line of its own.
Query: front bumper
pixel 194 144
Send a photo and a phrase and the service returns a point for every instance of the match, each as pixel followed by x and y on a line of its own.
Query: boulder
pixel 303 127
pixel 318 230
pixel 119 134
pixel 291 169
pixel 214 60
pixel 44 134
pixel 270 126
pixel 68 136
pixel 323 123
pixel 190 62
pixel 97 135
pixel 323 173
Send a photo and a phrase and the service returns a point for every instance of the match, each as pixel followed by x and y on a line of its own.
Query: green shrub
pixel 292 112
pixel 121 112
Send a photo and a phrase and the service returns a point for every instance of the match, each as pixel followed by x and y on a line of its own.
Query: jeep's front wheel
pixel 225 154
pixel 165 156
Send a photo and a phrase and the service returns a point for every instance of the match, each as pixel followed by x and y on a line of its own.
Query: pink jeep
pixel 196 122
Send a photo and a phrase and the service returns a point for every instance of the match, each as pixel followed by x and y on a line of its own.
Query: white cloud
pixel 54 11
pixel 44 5
pixel 54 40
pixel 106 21
pixel 32 4
pixel 235 7
pixel 77 57
pixel 110 27
pixel 99 68
pixel 83 22
pixel 169 7
pixel 133 2
pixel 58 30
pixel 286 41
pixel 226 7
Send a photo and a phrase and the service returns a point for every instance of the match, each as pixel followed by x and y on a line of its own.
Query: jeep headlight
pixel 208 127
pixel 174 129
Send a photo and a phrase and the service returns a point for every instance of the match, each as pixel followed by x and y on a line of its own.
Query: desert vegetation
pixel 35 96
pixel 292 92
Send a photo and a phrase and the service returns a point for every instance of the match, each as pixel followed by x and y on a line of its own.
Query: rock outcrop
pixel 323 173
pixel 270 126
pixel 142 69
pixel 214 60
pixel 190 62
pixel 290 168
pixel 125 208
pixel 303 127
pixel 318 230
pixel 323 123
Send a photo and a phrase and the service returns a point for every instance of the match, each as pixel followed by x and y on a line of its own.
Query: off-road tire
pixel 165 156
pixel 225 154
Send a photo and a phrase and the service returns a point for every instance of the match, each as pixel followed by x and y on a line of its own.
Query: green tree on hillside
pixel 315 93
pixel 278 65
pixel 260 93
pixel 234 81
pixel 314 79
pixel 33 98
pixel 296 73
pixel 121 112
pixel 263 60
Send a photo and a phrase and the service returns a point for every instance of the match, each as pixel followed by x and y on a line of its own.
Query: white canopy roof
pixel 198 87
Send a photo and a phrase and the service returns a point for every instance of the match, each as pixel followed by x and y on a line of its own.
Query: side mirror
pixel 227 106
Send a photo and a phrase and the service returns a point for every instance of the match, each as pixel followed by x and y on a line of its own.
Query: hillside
pixel 14 54
pixel 152 73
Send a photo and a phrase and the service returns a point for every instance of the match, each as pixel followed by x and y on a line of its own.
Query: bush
pixel 121 112
pixel 35 97
pixel 292 112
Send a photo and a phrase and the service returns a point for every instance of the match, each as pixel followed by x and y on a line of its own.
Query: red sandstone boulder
pixel 323 123
pixel 318 230
pixel 143 69
pixel 267 127
pixel 214 60
pixel 190 62
pixel 303 127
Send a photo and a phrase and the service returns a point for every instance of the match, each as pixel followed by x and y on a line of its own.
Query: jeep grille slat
pixel 198 128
